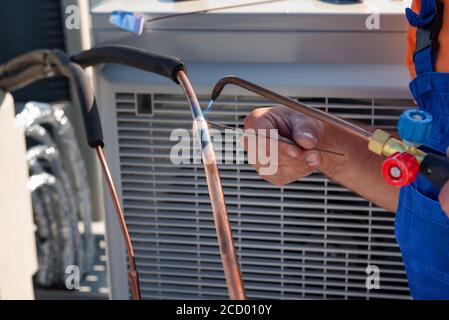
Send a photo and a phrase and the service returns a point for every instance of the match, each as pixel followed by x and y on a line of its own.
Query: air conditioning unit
pixel 309 239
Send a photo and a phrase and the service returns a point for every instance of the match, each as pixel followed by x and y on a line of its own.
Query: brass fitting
pixel 383 144
pixel 377 141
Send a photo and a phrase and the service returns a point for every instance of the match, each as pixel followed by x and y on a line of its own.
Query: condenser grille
pixel 311 239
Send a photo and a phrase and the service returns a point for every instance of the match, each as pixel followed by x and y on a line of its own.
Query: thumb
pixel 305 132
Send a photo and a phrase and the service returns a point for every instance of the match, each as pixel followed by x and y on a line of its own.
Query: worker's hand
pixel 444 196
pixel 294 161
pixel 356 168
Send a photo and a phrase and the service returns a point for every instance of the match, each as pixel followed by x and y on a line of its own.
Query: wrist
pixel 336 140
pixel 358 169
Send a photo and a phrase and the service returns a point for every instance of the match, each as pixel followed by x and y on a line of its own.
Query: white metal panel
pixel 304 31
pixel 17 236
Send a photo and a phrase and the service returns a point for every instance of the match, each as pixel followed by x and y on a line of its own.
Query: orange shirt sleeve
pixel 411 41
pixel 442 63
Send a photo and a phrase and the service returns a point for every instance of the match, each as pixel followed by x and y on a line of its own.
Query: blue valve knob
pixel 415 126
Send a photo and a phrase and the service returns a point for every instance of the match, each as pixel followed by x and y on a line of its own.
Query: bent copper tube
pixel 133 276
pixel 226 244
pixel 293 104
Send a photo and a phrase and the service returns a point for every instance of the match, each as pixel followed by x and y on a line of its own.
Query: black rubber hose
pixel 85 94
pixel 25 77
pixel 436 169
pixel 39 64
pixel 164 65
pixel 24 61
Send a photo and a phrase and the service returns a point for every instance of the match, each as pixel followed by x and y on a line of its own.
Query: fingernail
pixel 308 135
pixel 292 153
pixel 313 159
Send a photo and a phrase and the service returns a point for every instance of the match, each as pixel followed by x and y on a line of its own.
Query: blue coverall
pixel 421 226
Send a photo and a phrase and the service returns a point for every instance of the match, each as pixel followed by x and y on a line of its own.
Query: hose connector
pixel 378 141
pixel 415 126
pixel 383 144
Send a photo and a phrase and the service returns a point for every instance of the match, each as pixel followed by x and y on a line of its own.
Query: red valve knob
pixel 400 169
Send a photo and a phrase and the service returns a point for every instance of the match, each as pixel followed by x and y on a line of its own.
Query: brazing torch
pixel 405 160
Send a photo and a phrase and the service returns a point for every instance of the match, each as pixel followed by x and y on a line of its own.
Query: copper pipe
pixel 226 244
pixel 133 276
pixel 293 104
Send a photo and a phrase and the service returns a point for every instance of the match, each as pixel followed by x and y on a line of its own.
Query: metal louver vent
pixel 310 239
